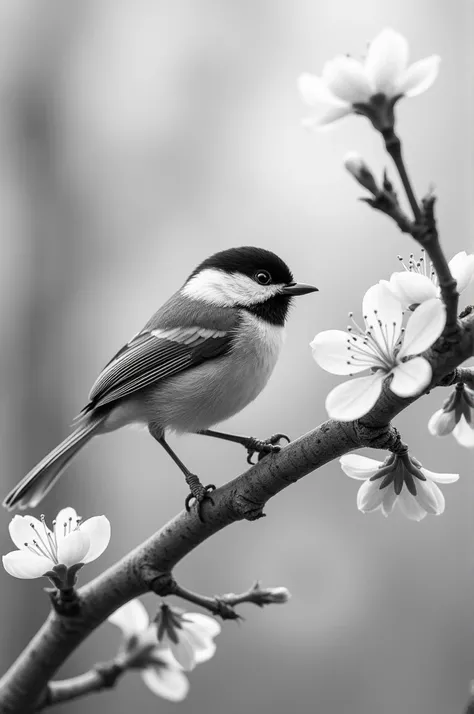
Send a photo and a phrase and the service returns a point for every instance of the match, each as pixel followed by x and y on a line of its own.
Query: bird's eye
pixel 263 277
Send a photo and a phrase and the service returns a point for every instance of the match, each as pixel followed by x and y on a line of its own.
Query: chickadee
pixel 205 355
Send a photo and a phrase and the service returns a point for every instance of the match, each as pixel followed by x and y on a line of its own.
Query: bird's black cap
pixel 248 260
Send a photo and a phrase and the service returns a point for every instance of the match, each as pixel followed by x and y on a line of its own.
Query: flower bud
pixel 442 422
pixel 276 595
pixel 355 164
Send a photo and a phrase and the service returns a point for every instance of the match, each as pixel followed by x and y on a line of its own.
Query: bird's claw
pixel 262 447
pixel 199 494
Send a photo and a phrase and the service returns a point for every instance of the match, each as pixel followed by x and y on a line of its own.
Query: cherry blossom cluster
pixel 163 650
pixel 401 317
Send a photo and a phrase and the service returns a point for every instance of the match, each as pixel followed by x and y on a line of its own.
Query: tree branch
pixel 394 148
pixel 149 566
pixel 425 232
pixel 103 676
pixel 223 605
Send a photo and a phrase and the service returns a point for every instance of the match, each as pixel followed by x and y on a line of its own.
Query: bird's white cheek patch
pixel 227 289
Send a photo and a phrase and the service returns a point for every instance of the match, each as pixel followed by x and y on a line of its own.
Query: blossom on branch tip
pixel 189 635
pixel 401 480
pixel 384 347
pixel 456 417
pixel 57 553
pixel 418 281
pixel 159 669
pixel 349 86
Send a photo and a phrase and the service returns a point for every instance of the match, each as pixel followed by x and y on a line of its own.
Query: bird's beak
pixel 298 289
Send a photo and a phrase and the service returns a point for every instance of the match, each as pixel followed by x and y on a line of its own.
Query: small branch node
pixel 160 583
pixel 375 437
pixel 246 509
pixel 109 672
pixel 65 602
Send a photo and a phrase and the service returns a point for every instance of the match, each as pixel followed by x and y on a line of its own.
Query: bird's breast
pixel 214 391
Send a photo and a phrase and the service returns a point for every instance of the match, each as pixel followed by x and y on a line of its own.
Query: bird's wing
pixel 153 355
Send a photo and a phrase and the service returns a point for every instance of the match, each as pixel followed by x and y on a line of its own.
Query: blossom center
pixel 420 267
pixel 168 621
pixel 45 542
pixel 377 346
pixel 399 470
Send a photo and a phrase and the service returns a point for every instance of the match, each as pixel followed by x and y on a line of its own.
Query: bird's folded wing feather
pixel 153 355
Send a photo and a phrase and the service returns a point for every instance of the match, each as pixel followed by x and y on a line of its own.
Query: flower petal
pixel 412 288
pixel 380 306
pixel 387 59
pixel 370 496
pixel 327 117
pixel 419 76
pixel 66 521
pixel 345 78
pixel 464 434
pixel 97 530
pixel 442 422
pixel 331 351
pixel 25 529
pixel 166 681
pixel 203 654
pixel 204 623
pixel 73 548
pixel 131 618
pixel 26 565
pixel 314 91
pixel 410 507
pixel 410 378
pixel 440 478
pixel 359 467
pixel 355 398
pixel 430 497
pixel 389 501
pixel 462 269
pixel 423 328
pixel 183 650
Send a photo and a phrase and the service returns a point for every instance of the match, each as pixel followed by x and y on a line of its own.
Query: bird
pixel 201 358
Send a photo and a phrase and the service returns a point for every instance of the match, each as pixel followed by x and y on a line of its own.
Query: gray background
pixel 136 137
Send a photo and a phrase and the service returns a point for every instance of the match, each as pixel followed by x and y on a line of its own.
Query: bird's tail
pixel 36 484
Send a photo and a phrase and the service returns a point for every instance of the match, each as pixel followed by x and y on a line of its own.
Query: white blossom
pixel 418 281
pixel 189 635
pixel 42 551
pixel 456 417
pixel 346 84
pixel 158 668
pixel 401 480
pixel 382 346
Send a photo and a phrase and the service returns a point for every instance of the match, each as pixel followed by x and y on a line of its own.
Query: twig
pixel 244 497
pixel 423 229
pixel 223 605
pixel 102 676
pixel 426 233
pixel 461 375
pixel 394 148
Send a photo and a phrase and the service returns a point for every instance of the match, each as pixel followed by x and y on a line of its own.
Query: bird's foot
pixel 198 493
pixel 262 447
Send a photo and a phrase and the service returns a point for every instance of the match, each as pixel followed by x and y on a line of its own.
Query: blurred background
pixel 137 137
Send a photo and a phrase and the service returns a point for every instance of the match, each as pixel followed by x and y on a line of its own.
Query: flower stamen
pixel 43 547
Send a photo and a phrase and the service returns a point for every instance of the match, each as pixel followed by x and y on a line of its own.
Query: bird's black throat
pixel 274 310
